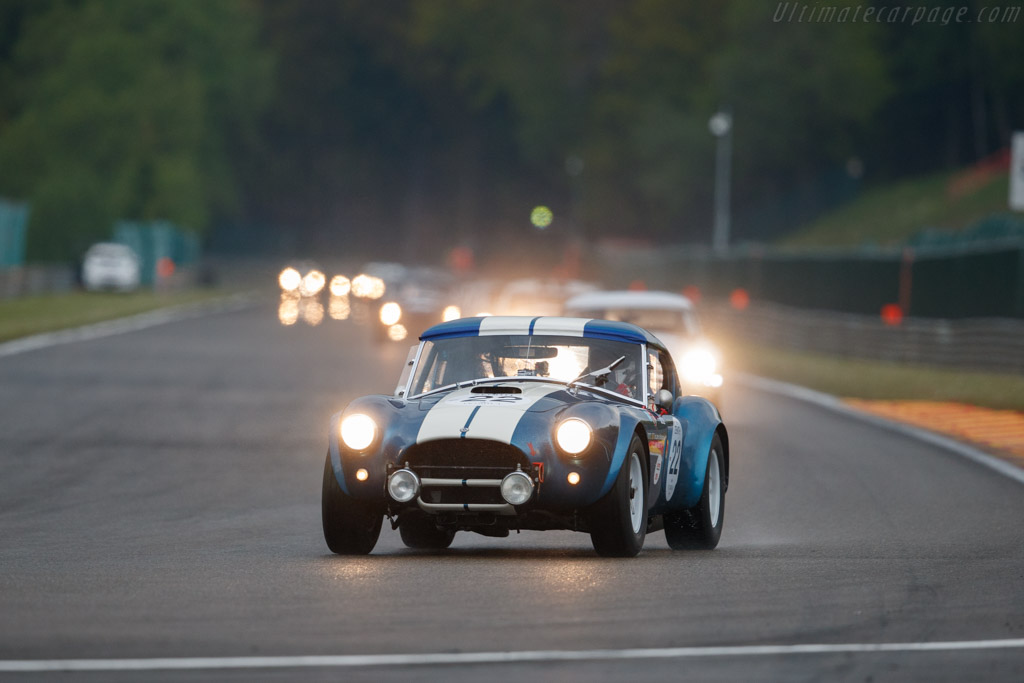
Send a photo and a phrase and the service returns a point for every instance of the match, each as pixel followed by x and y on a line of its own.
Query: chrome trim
pixel 461 482
pixel 496 508
pixel 412 373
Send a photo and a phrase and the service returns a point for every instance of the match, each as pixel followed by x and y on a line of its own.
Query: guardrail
pixel 21 281
pixel 993 344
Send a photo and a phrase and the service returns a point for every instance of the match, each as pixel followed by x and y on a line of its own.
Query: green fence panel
pixel 13 223
pixel 156 240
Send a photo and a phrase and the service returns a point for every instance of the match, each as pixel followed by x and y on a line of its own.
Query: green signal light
pixel 541 217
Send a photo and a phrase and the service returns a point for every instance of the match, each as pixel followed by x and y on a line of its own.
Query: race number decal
pixel 673 453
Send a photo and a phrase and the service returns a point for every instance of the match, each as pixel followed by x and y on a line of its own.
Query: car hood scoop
pixel 496 389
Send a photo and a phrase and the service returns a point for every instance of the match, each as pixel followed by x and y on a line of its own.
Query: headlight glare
pixel 697 365
pixel 390 313
pixel 573 435
pixel 358 431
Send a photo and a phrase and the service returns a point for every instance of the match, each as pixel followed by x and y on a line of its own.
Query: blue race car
pixel 509 423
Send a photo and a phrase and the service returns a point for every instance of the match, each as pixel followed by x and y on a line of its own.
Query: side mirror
pixel 664 399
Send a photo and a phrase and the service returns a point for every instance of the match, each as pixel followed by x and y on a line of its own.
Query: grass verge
pixel 892 213
pixel 869 379
pixel 38 314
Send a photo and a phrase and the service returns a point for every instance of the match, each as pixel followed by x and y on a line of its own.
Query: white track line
pixel 836 404
pixel 132 323
pixel 428 659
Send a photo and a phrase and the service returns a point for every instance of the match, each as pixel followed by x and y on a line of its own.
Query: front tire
pixel 700 527
pixel 619 522
pixel 421 533
pixel 351 527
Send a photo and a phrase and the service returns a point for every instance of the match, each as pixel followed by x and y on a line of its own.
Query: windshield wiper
pixel 600 375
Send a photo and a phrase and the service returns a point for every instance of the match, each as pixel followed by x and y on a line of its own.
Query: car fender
pixel 387 445
pixel 629 422
pixel 701 420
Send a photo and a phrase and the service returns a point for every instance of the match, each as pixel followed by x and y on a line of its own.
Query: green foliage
pixel 892 213
pixel 128 110
pixel 417 119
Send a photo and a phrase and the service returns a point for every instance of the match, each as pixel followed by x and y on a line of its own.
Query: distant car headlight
pixel 340 285
pixel 312 283
pixel 451 313
pixel 358 431
pixel 516 488
pixel 698 365
pixel 390 313
pixel 289 279
pixel 573 435
pixel 403 485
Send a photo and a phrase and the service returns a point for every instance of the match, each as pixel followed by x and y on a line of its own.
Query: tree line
pixel 354 126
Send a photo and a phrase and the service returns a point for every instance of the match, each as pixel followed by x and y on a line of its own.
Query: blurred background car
pixel 414 299
pixel 673 319
pixel 537 296
pixel 110 266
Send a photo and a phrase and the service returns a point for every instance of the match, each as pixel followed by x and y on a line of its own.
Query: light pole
pixel 720 126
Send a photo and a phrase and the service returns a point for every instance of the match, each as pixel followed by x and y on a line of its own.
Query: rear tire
pixel 700 527
pixel 619 521
pixel 421 533
pixel 351 527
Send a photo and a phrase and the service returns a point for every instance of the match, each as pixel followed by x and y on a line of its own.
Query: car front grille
pixel 465 459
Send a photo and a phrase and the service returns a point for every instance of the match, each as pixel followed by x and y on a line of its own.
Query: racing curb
pixel 139 321
pixel 835 404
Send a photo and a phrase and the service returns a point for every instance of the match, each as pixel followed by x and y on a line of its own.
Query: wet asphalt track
pixel 159 497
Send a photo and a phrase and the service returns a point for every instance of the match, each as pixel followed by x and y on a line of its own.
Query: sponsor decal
pixel 674 455
pixel 656 445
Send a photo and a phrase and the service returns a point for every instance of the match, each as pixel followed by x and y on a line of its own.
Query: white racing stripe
pixel 502 324
pixel 496 417
pixel 428 659
pixel 569 327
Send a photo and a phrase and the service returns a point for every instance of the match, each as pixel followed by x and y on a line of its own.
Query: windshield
pixel 449 361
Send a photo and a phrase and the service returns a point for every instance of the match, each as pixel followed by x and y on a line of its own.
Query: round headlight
pixel 390 313
pixel 516 488
pixel 403 485
pixel 358 431
pixel 573 435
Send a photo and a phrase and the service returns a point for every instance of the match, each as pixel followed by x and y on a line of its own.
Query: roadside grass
pixel 47 313
pixel 869 379
pixel 890 214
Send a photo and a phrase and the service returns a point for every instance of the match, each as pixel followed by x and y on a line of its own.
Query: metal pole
pixel 723 160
